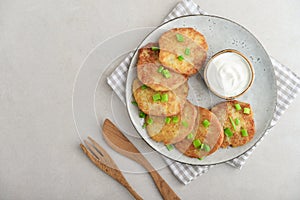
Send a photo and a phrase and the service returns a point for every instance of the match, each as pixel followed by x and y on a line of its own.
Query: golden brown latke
pixel 170 132
pixel 144 98
pixel 171 48
pixel 226 110
pixel 148 71
pixel 211 137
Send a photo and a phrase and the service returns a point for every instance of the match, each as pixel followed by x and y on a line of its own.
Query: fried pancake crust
pixel 211 136
pixel 147 71
pixel 173 132
pixel 144 99
pixel 224 111
pixel 171 48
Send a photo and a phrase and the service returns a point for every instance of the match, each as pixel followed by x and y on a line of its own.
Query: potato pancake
pixel 237 120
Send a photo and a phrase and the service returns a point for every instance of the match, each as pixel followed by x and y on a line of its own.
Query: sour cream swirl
pixel 228 74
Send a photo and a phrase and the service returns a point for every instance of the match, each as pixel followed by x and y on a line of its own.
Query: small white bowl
pixel 229 74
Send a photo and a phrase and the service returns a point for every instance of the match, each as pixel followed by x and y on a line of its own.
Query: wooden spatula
pixel 115 138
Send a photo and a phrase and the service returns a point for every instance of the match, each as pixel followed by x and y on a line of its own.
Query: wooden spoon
pixel 115 138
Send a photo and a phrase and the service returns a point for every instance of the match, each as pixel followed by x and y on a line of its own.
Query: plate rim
pixel 265 129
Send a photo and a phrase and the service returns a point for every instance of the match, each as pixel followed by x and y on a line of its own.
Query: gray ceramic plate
pixel 220 34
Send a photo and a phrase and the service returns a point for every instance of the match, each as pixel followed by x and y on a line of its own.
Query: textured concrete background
pixel 43 43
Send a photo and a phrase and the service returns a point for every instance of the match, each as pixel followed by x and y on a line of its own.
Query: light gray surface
pixel 42 45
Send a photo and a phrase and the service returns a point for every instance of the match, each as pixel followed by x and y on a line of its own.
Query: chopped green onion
pixel 134 103
pixel 164 97
pixel 206 123
pixel 202 146
pixel 179 37
pixel 233 124
pixel 156 97
pixel 237 121
pixel 237 106
pixel 166 73
pixel 168 120
pixel 181 58
pixel 185 124
pixel 144 87
pixel 175 119
pixel 142 114
pixel 206 147
pixel 170 147
pixel 149 121
pixel 155 48
pixel 144 125
pixel 200 158
pixel 228 132
pixel 160 69
pixel 187 51
pixel 197 143
pixel 244 132
pixel 190 136
pixel 247 111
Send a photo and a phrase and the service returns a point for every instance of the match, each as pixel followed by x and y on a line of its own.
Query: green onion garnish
pixel 134 103
pixel 202 146
pixel 206 123
pixel 175 119
pixel 244 132
pixel 200 158
pixel 247 111
pixel 144 125
pixel 149 121
pixel 166 73
pixel 181 58
pixel 237 106
pixel 144 87
pixel 164 97
pixel 187 51
pixel 155 48
pixel 197 143
pixel 168 120
pixel 160 69
pixel 179 37
pixel 228 132
pixel 233 124
pixel 206 147
pixel 190 136
pixel 142 114
pixel 170 147
pixel 156 97
pixel 237 121
pixel 185 124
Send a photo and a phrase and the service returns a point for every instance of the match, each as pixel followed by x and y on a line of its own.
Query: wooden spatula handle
pixel 115 138
pixel 163 187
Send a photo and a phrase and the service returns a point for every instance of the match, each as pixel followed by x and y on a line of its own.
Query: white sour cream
pixel 228 74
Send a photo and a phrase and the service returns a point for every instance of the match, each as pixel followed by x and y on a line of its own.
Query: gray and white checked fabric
pixel 288 85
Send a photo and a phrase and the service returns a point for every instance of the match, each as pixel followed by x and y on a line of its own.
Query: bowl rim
pixel 250 67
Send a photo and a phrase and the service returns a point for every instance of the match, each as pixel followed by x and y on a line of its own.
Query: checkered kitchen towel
pixel 288 85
